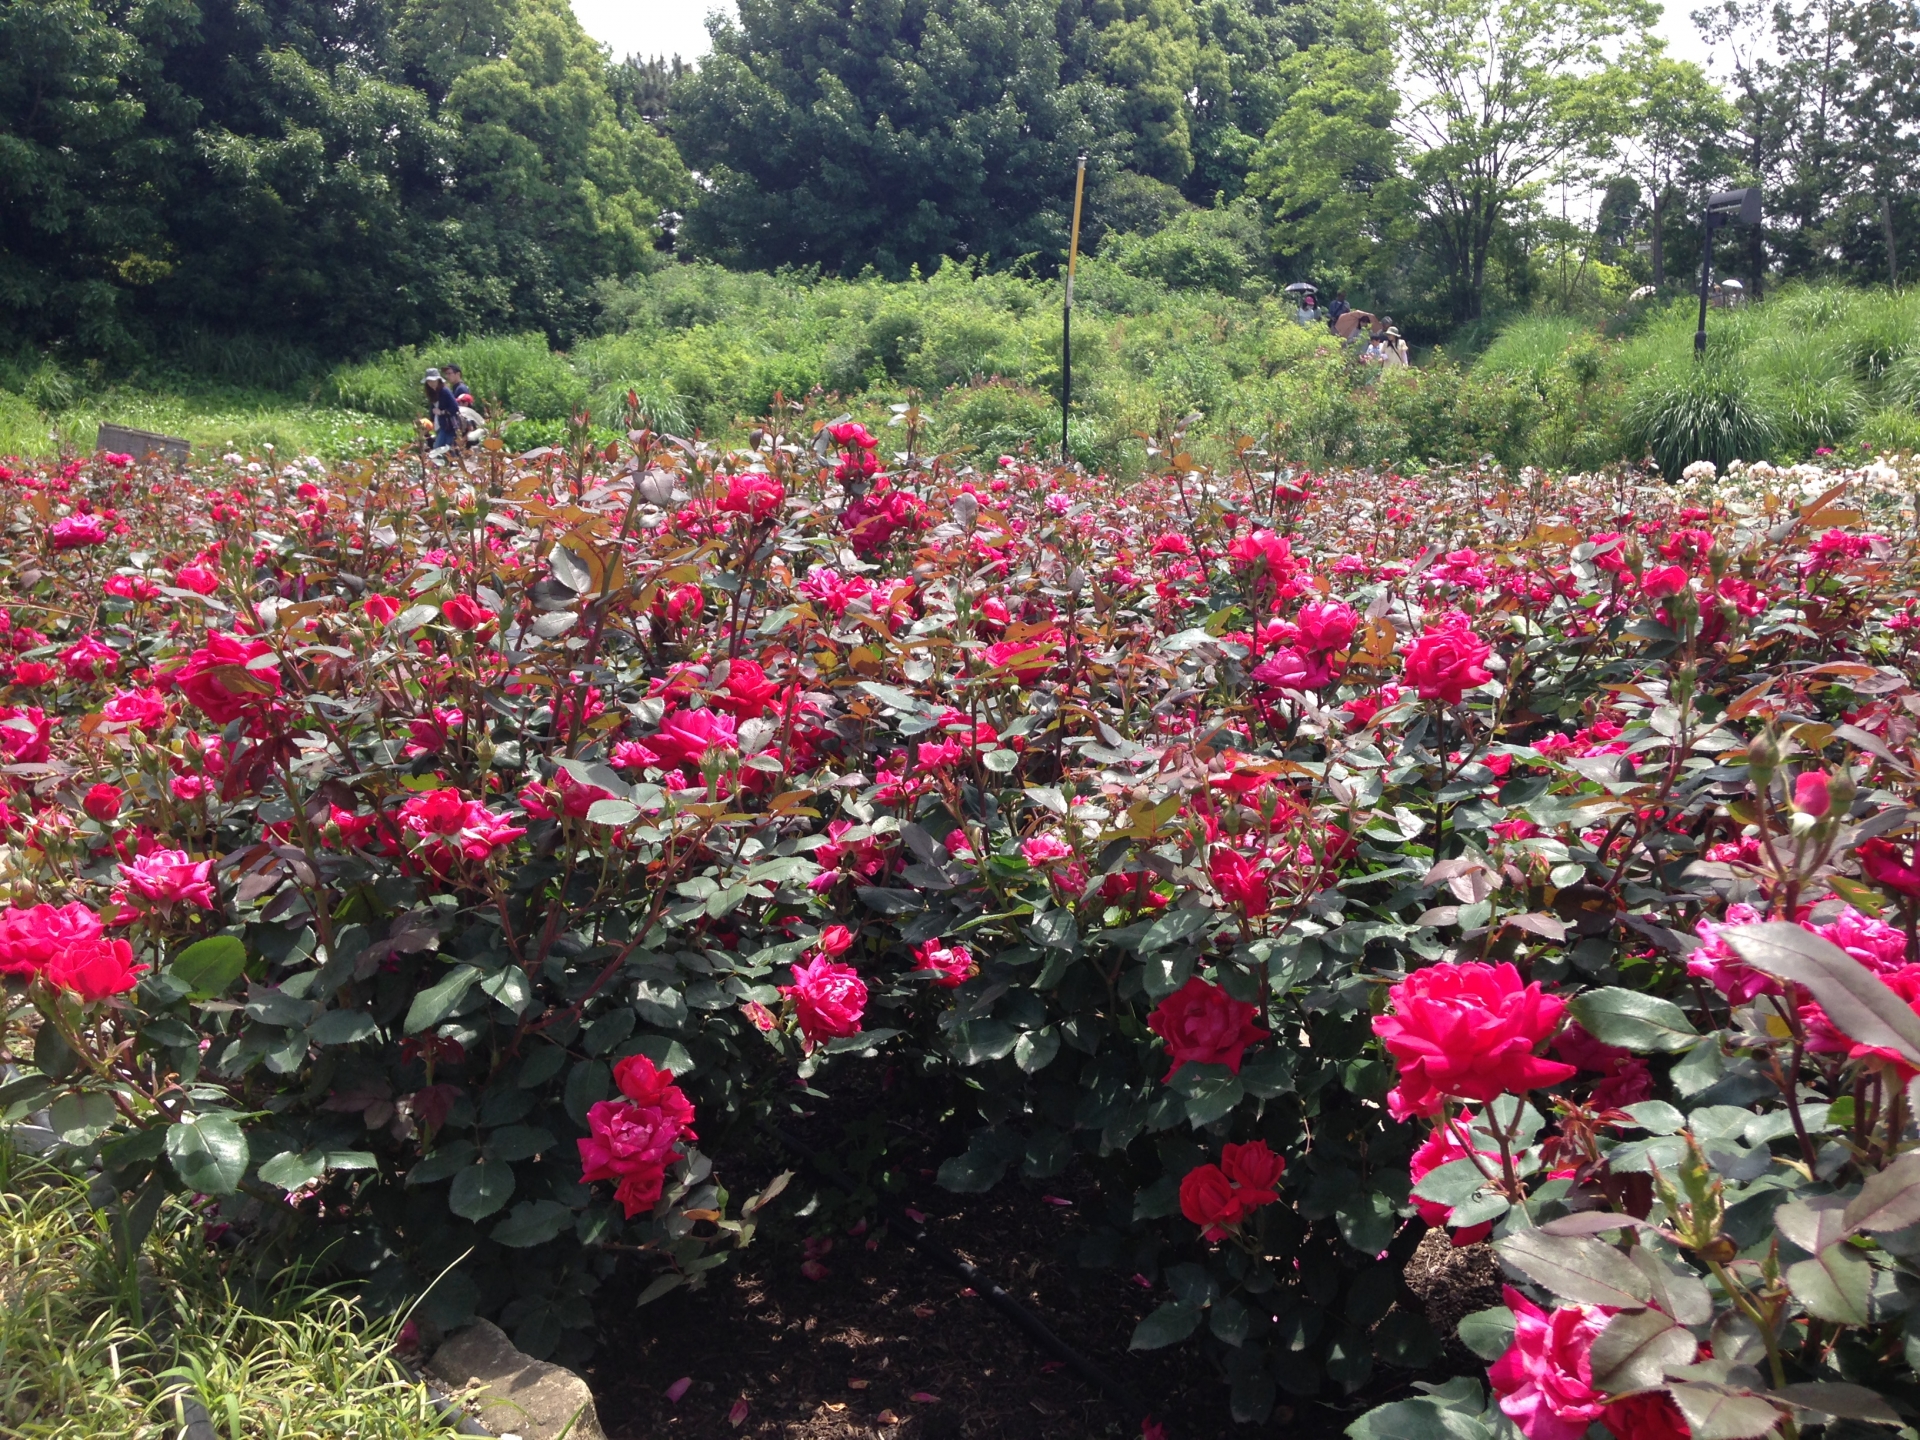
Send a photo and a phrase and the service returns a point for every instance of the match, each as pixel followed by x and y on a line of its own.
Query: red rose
pixel 1441 1147
pixel 1207 1199
pixel 1203 1025
pixel 1882 862
pixel 1325 628
pixel 220 680
pixel 1218 1197
pixel 1447 659
pixel 382 608
pixel 95 969
pixel 1667 580
pixel 1241 883
pixel 951 965
pixel 758 497
pixel 463 612
pixel 102 802
pixel 1468 1031
pixel 1029 659
pixel 828 1000
pixel 1649 1415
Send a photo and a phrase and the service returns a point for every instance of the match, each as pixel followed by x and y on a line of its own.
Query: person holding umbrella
pixel 1308 311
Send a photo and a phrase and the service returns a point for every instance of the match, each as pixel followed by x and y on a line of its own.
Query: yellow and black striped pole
pixel 1066 313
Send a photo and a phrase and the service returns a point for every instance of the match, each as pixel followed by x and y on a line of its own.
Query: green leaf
pixel 1577 1268
pixel 412 618
pixel 448 1160
pixel 1055 930
pixel 1367 1221
pixel 1035 1049
pixel 1856 1000
pixel 1421 1419
pixel 1487 1333
pixel 1209 1090
pixel 481 1189
pixel 209 966
pixel 978 1040
pixel 80 1119
pixel 1836 1284
pixel 436 1002
pixel 23 1096
pixel 1637 1349
pixel 510 987
pixel 978 1169
pixel 342 1027
pixel 1890 1200
pixel 1715 1414
pixel 612 812
pixel 1841 1400
pixel 1636 1021
pixel 517 1142
pixel 209 1153
pixel 294 1168
pixel 1168 1325
pixel 1229 1320
pixel 1173 927
pixel 1451 1183
pixel 532 1222
pixel 1000 761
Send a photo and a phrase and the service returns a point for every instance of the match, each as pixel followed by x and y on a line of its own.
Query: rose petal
pixel 1056 1200
pixel 679 1388
pixel 737 1416
pixel 916 1217
pixel 921 1397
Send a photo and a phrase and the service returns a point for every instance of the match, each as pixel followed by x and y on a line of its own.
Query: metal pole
pixel 1706 279
pixel 1066 312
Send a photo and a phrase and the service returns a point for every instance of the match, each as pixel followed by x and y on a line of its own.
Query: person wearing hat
pixel 443 409
pixel 1394 349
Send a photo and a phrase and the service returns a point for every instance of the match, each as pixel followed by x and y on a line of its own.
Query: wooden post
pixel 1066 312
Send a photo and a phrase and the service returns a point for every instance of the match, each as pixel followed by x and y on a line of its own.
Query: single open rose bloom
pixel 29 939
pixel 71 532
pixel 1467 1031
pixel 1545 1380
pixel 756 496
pixel 95 969
pixel 952 965
pixel 165 878
pixel 1203 1025
pixel 463 612
pixel 89 658
pixel 1241 882
pixel 102 802
pixel 1447 660
pixel 1029 658
pixel 685 737
pixel 1328 627
pixel 828 1000
pixel 220 680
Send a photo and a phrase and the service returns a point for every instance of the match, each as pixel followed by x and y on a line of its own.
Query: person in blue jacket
pixel 443 409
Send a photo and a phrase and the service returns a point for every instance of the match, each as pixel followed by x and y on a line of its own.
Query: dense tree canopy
pixel 344 172
pixel 359 172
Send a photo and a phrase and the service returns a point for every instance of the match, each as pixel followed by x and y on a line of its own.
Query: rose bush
pixel 1310 859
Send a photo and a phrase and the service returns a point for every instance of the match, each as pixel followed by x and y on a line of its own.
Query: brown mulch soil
pixel 889 1347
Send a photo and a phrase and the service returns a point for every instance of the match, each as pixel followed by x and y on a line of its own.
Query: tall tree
pixel 844 133
pixel 1507 93
pixel 1329 168
pixel 1674 140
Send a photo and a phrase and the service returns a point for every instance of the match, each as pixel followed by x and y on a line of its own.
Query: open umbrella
pixel 1300 286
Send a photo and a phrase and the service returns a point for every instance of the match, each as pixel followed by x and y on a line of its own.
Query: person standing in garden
pixel 1337 307
pixel 462 393
pixel 443 410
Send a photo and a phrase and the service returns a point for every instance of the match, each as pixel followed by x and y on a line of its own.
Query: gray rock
pixel 515 1393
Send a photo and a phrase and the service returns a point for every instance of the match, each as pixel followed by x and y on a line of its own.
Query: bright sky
pixel 678 27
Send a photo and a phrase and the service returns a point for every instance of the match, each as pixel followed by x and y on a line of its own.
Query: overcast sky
pixel 678 27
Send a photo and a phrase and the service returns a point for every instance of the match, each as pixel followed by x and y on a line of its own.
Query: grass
pixel 91 1346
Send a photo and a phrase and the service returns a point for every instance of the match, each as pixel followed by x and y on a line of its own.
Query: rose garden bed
pixel 1200 889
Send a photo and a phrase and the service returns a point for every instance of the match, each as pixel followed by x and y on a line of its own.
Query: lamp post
pixel 1727 207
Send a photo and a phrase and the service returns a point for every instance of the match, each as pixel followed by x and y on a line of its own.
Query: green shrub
pixel 1199 250
pixel 1690 411
pixel 1891 429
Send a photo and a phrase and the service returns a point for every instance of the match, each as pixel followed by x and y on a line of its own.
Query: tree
pixel 1674 140
pixel 844 134
pixel 1509 93
pixel 1329 168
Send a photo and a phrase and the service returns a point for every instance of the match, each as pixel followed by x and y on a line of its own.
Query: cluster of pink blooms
pixel 66 946
pixel 632 1140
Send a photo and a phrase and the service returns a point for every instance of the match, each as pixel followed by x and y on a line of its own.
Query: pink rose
pixel 29 939
pixel 1545 1380
pixel 828 1000
pixel 951 965
pixel 1447 659
pixel 165 878
pixel 71 532
pixel 221 682
pixel 1468 1031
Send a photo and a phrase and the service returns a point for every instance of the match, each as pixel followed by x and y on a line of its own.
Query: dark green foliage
pixel 1712 411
